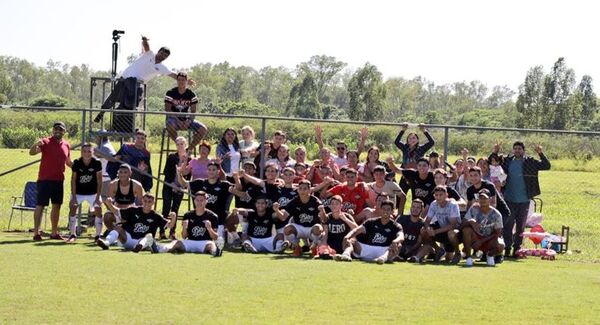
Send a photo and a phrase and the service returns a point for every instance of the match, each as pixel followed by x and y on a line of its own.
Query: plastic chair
pixel 28 202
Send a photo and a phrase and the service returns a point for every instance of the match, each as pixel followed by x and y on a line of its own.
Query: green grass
pixel 570 191
pixel 52 282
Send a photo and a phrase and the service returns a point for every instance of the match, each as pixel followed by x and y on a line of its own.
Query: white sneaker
pixel 490 261
pixel 342 258
pixel 249 247
pixel 380 260
pixel 469 261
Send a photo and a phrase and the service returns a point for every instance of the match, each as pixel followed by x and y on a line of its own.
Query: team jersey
pixel 137 223
pixel 181 103
pixel 286 195
pixel 86 182
pixel 378 234
pixel 259 226
pixel 196 229
pixel 411 229
pixel 249 201
pixel 420 188
pixel 217 195
pixel 337 229
pixel 353 199
pixel 304 214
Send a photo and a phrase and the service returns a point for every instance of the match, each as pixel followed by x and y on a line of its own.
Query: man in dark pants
pixel 147 66
pixel 56 153
pixel 521 185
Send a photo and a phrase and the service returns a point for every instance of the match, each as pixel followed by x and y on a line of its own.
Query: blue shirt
pixel 515 189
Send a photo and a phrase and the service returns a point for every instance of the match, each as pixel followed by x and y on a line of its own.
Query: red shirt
pixel 355 199
pixel 54 157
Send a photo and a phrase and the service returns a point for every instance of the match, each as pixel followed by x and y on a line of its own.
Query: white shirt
pixel 144 68
pixel 235 156
pixel 340 161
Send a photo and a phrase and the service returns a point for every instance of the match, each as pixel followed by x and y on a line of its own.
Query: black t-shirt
pixel 411 230
pixel 259 226
pixel 337 229
pixel 285 196
pixel 86 181
pixel 138 224
pixel 196 229
pixel 420 188
pixel 453 194
pixel 304 214
pixel 501 205
pixel 252 190
pixel 217 195
pixel 181 102
pixel 378 234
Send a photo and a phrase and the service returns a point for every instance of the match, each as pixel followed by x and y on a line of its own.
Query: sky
pixel 495 42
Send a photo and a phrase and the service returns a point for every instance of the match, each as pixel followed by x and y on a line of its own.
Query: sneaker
pixel 102 243
pixel 413 259
pixel 455 259
pixel 490 261
pixel 439 254
pixel 220 243
pixel 150 242
pixel 162 237
pixel 297 251
pixel 249 247
pixel 305 249
pixel 342 258
pixel 71 239
pixel 380 260
pixel 469 261
pixel 499 259
pixel 37 237
pixel 96 238
pixel 236 244
pixel 285 245
pixel 56 237
pixel 137 248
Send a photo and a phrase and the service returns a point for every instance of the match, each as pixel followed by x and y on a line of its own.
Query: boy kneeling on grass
pixel 483 230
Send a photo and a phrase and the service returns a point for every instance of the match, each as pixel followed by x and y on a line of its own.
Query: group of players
pixel 334 208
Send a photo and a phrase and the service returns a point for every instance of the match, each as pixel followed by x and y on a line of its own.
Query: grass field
pixel 52 282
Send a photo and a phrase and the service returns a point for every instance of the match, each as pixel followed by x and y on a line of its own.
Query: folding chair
pixel 28 202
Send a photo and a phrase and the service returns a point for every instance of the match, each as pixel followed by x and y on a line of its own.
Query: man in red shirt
pixel 354 194
pixel 56 153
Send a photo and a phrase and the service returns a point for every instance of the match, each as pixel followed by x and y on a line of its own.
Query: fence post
pixel 445 144
pixel 262 147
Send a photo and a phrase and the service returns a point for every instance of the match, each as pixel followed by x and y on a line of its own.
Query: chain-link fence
pixel 570 190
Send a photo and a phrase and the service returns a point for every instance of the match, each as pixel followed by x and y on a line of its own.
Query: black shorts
pixel 49 191
pixel 443 239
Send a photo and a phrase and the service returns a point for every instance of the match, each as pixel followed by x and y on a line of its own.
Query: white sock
pixel 244 227
pixel 112 237
pixel 314 239
pixel 143 242
pixel 221 230
pixel 73 225
pixel 98 223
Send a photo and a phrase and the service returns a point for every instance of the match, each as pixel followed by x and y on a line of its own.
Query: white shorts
pixel 129 242
pixel 263 244
pixel 90 199
pixel 195 246
pixel 370 253
pixel 301 231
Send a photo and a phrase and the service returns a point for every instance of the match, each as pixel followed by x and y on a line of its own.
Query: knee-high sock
pixel 73 225
pixel 112 237
pixel 98 223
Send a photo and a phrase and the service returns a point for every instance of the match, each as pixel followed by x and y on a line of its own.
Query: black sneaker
pixel 102 243
pixel 455 259
pixel 499 259
pixel 305 249
pixel 137 248
pixel 439 254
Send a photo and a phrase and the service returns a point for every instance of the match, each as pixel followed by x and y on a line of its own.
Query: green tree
pixel 589 102
pixel 323 70
pixel 558 86
pixel 367 94
pixel 303 100
pixel 530 100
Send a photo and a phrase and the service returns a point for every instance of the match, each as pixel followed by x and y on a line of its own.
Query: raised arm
pixel 145 44
pixel 398 142
pixel 319 136
pixel 364 134
pixel 430 141
pixel 543 163
pixel 36 148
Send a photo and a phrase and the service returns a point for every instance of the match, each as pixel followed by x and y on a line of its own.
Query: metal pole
pixel 445 144
pixel 262 148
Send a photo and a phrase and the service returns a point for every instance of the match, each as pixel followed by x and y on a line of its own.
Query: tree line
pixel 324 87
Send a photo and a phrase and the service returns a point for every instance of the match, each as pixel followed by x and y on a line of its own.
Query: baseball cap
pixel 60 124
